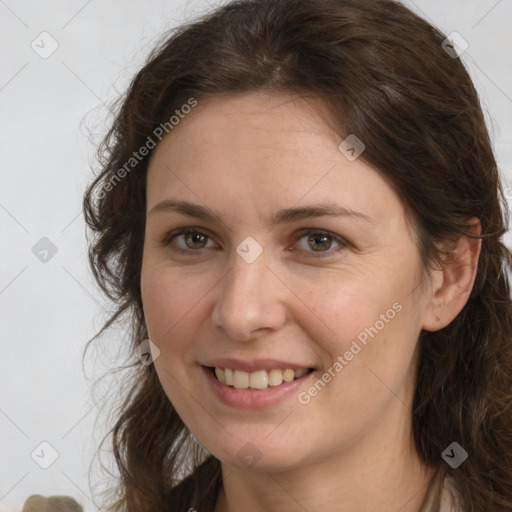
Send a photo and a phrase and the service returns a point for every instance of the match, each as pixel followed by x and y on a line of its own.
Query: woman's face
pixel 295 258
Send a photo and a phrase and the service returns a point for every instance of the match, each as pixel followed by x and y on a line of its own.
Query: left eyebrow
pixel 284 216
pixel 317 210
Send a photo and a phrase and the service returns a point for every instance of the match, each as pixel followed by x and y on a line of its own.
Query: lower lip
pixel 254 398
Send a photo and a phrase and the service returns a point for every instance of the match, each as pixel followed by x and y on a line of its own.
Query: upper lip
pixel 253 365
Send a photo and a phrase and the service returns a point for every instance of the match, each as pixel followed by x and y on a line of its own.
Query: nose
pixel 250 301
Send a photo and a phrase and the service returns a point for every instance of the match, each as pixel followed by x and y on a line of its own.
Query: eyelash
pixel 342 243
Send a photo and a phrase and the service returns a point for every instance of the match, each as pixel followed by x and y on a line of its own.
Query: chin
pixel 258 454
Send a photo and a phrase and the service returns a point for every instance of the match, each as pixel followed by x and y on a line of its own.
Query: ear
pixel 451 285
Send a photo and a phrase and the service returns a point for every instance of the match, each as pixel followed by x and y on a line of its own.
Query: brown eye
pixel 195 240
pixel 187 239
pixel 320 242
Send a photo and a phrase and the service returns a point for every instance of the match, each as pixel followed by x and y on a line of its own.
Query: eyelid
pixel 342 242
pixel 171 235
pixel 297 235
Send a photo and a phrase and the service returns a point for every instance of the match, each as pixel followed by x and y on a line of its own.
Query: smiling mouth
pixel 259 380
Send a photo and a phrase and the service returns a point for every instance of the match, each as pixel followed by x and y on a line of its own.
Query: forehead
pixel 243 120
pixel 262 151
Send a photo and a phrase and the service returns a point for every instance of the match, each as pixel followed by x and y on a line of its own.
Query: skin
pixel 350 447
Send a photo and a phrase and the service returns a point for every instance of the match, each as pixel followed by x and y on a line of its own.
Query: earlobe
pixel 451 286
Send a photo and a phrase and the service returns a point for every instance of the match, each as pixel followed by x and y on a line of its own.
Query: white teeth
pixel 241 380
pixel 275 377
pixel 261 379
pixel 288 375
pixel 258 380
pixel 299 373
pixel 229 376
pixel 219 372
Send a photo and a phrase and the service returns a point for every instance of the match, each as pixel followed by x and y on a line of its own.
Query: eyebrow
pixel 284 216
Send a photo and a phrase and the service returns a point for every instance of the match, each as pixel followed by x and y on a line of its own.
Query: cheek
pixel 371 320
pixel 340 308
pixel 168 302
pixel 171 306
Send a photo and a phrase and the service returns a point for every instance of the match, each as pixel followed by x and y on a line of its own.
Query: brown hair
pixel 385 76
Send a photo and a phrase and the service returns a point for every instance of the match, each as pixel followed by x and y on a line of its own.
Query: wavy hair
pixel 384 75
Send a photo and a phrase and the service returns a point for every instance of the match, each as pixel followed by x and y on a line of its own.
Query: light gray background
pixel 50 112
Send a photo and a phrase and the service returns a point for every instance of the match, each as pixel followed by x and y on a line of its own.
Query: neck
pixel 369 475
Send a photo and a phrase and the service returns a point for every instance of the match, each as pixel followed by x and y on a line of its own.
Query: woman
pixel 300 207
